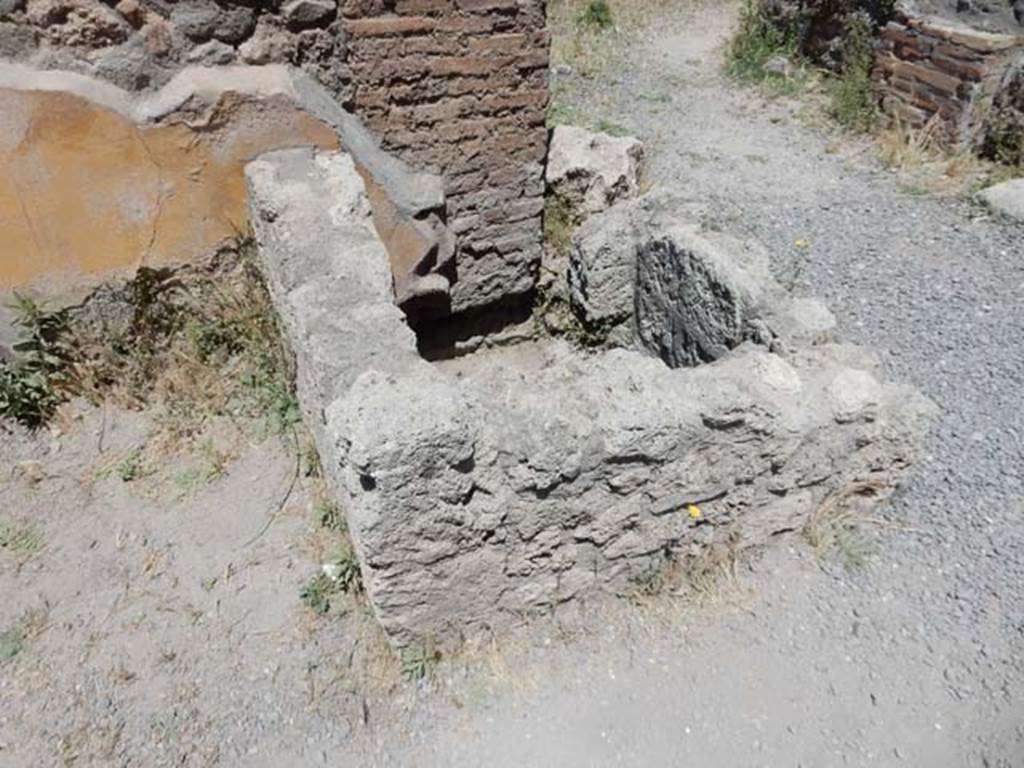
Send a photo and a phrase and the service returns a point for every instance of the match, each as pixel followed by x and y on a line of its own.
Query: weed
pixel 131 468
pixel 339 574
pixel 329 515
pixel 611 128
pixel 343 569
pixel 215 462
pixel 555 317
pixel 312 466
pixel 851 94
pixel 836 527
pixel 558 225
pixel 658 577
pixel 12 642
pixel 852 546
pixel 913 190
pixel 316 593
pixel 19 540
pixel 199 344
pixel 188 479
pixel 596 14
pixel 419 661
pixel 561 113
pixel 213 466
pixel 32 384
pixel 758 39
pixel 902 147
pixel 997 173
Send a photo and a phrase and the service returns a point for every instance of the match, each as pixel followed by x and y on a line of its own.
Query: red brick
pixel 389 25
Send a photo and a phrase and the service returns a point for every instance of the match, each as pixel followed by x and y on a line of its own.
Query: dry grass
pixel 198 345
pixel 926 165
pixel 836 527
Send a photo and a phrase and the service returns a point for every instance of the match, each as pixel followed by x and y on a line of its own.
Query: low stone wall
pixel 932 69
pixel 507 482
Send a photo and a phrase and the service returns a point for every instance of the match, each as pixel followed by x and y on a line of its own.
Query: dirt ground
pixel 151 612
pixel 151 609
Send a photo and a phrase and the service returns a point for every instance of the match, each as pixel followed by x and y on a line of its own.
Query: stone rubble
pixel 641 276
pixel 589 172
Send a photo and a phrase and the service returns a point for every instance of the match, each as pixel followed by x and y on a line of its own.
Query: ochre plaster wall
pixel 85 194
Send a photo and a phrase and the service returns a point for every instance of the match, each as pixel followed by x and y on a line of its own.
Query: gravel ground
pixel 917 658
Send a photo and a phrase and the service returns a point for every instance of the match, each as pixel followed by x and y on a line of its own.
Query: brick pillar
pixel 460 87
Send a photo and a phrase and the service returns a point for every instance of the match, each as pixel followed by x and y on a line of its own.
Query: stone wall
pixel 457 87
pixel 511 481
pixel 932 69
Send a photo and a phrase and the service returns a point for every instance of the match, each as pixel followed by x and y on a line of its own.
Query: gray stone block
pixel 1006 198
pixel 591 171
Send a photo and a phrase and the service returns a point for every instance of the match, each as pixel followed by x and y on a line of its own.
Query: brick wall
pixel 930 69
pixel 459 87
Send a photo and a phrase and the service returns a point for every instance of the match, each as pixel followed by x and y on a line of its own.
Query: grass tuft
pixel 12 642
pixel 419 661
pixel 836 527
pixel 19 540
pixel 596 14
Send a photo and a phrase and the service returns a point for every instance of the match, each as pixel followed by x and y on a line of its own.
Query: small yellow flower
pixel 694 511
pixel 802 245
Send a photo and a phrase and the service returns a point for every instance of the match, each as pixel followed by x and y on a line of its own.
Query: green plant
pixel 758 39
pixel 339 574
pixel 596 14
pixel 240 328
pixel 851 94
pixel 343 569
pixel 312 466
pixel 32 384
pixel 188 479
pixel 131 468
pixel 657 577
pixel 852 546
pixel 12 642
pixel 836 527
pixel 418 661
pixel 215 462
pixel 316 593
pixel 329 515
pixel 19 540
pixel 559 225
pixel 611 128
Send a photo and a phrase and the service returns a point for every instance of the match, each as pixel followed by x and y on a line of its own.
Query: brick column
pixel 459 88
